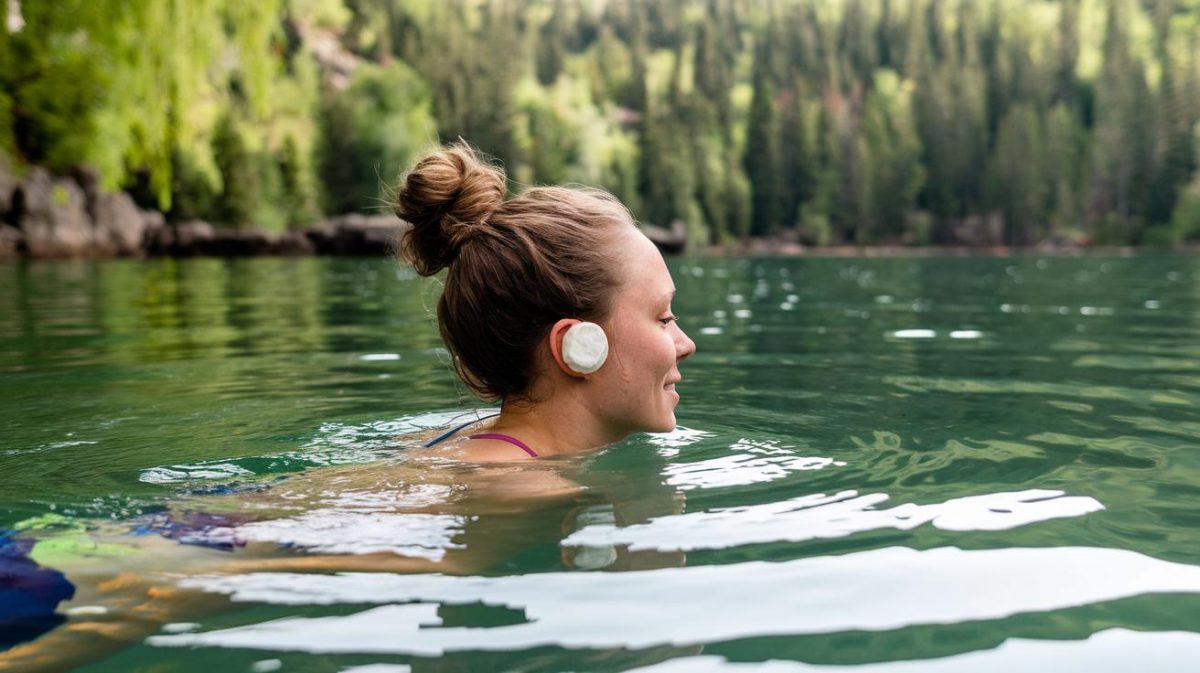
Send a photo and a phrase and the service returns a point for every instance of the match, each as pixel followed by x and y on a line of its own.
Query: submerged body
pixel 523 273
pixel 114 583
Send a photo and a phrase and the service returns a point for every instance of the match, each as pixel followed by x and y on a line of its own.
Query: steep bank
pixel 43 216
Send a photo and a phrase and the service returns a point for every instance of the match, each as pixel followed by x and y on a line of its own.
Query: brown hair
pixel 516 266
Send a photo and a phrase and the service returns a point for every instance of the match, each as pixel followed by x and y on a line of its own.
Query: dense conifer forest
pixel 821 121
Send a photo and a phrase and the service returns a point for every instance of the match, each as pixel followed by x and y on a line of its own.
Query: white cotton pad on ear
pixel 585 347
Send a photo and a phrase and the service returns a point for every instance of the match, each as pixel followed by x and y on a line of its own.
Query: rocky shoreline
pixel 57 217
pixel 60 217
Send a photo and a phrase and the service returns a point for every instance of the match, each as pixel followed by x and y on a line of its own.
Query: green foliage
pixel 1017 184
pixel 325 14
pixel 854 121
pixel 8 141
pixel 1185 221
pixel 299 202
pixel 761 159
pixel 892 159
pixel 55 80
pixel 369 133
pixel 241 186
pixel 194 193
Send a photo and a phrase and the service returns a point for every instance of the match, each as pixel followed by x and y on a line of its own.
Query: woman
pixel 526 277
pixel 524 273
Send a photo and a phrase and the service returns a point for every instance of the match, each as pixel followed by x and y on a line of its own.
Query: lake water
pixel 902 464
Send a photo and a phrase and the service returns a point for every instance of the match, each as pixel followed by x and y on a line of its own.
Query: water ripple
pixel 821 517
pixel 1110 650
pixel 690 605
pixel 752 462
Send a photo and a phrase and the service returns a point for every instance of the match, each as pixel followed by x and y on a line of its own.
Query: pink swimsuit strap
pixel 504 438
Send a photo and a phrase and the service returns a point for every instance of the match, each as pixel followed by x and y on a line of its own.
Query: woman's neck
pixel 563 425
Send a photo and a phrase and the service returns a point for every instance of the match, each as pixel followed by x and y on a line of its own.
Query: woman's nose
pixel 684 346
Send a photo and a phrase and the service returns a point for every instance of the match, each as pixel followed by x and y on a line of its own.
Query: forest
pixel 853 122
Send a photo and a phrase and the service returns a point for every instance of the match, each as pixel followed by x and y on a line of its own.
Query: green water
pixel 899 464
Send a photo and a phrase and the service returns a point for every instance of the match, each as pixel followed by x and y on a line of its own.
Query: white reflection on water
pixel 820 516
pixel 875 590
pixel 669 443
pixel 338 531
pixel 914 334
pixel 752 462
pixel 1111 650
pixel 198 471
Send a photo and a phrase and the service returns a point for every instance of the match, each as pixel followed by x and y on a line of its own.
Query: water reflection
pixel 882 589
pixel 1111 650
pixel 820 516
pixel 749 461
pixel 1014 404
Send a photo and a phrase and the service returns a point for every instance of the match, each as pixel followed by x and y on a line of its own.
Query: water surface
pixel 903 464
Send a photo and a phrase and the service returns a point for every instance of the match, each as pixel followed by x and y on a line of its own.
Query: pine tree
pixel 760 158
pixel 1017 183
pixel 240 181
pixel 796 156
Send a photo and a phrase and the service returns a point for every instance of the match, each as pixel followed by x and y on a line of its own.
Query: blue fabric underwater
pixel 29 593
pixel 201 529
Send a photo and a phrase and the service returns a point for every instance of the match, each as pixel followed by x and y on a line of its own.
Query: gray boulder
pixel 158 241
pixel 669 241
pixel 52 215
pixel 180 240
pixel 189 237
pixel 358 235
pixel 10 241
pixel 295 243
pixel 152 223
pixel 120 226
pixel 237 243
pixel 8 186
pixel 88 179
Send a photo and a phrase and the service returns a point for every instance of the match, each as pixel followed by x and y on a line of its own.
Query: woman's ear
pixel 579 347
pixel 557 332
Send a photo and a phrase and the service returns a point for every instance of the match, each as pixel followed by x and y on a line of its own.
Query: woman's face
pixel 635 389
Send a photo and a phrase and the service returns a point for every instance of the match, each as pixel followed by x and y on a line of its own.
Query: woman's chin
pixel 666 425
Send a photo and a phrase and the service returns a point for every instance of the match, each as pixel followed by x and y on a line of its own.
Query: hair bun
pixel 447 198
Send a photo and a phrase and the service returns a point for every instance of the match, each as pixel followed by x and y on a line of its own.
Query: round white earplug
pixel 585 347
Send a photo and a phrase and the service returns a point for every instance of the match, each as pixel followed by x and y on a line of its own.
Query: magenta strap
pixel 504 438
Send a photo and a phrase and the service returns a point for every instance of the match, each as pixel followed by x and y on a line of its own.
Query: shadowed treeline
pixel 972 122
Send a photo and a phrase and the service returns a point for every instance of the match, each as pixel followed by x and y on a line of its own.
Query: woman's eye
pixel 668 320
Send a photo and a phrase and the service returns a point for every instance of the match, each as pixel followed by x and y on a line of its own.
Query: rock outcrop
pixel 358 235
pixel 52 216
pixel 120 225
pixel 197 238
pixel 48 217
pixel 8 186
pixel 671 241
pixel 10 242
pixel 183 239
